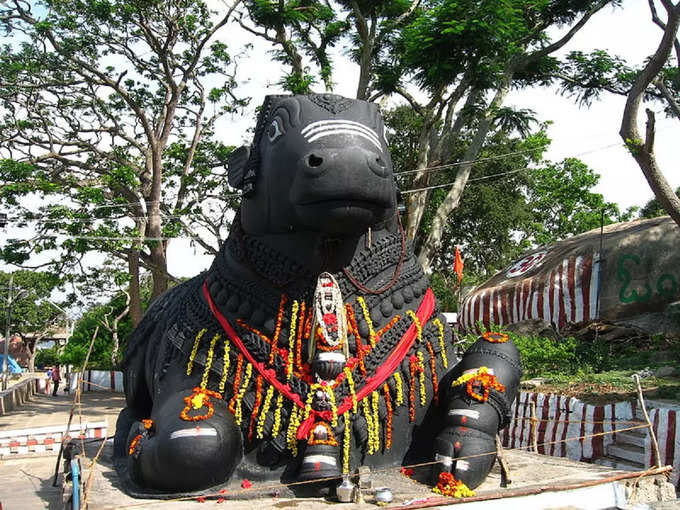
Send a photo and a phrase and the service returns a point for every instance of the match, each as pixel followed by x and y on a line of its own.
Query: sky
pixel 591 133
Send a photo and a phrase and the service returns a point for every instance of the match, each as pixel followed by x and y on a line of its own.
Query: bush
pixel 46 357
pixel 540 355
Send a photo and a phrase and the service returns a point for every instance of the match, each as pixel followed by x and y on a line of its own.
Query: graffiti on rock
pixel 666 285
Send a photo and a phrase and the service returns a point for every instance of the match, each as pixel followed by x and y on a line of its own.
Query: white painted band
pixel 321 125
pixel 323 459
pixel 470 413
pixel 444 459
pixel 332 356
pixel 195 432
pixel 462 465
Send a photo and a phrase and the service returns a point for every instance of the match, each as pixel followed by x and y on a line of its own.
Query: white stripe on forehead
pixel 324 128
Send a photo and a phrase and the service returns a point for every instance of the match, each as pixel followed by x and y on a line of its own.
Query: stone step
pixel 616 463
pixel 632 437
pixel 629 453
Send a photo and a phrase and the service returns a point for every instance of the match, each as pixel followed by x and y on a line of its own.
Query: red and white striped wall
pixel 46 439
pixel 567 293
pixel 666 425
pixel 98 380
pixel 567 426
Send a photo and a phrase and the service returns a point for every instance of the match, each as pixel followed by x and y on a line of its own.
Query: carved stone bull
pixel 313 344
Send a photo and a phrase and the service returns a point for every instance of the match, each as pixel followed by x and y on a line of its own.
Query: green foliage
pixel 47 357
pixel 653 209
pixel 542 355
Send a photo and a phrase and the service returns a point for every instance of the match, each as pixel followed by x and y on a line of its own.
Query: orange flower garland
pixel 199 398
pixel 495 338
pixel 298 340
pixel 148 423
pixel 133 444
pixel 484 379
pixel 388 425
pixel 330 437
pixel 277 328
pixel 433 369
pixel 449 486
pixel 256 407
pixel 421 378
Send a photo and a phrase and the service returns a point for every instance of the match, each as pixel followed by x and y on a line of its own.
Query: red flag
pixel 458 264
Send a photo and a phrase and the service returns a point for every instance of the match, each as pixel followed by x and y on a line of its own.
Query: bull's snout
pixel 352 160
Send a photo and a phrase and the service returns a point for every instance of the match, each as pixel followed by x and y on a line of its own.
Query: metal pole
pixel 5 359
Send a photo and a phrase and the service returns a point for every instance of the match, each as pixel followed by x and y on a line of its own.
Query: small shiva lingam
pixel 327 356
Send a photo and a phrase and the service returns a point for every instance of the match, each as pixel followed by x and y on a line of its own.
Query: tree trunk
pixel 416 202
pixel 159 270
pixel 135 297
pixel 643 152
pixel 32 352
pixel 432 242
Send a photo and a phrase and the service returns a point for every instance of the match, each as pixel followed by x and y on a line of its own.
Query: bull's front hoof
pixel 466 453
pixel 176 455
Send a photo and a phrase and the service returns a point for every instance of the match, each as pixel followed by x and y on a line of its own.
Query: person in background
pixel 55 380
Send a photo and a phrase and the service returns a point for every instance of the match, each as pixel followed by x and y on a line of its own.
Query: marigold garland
pixel 433 370
pixel 238 407
pixel 494 337
pixel 442 343
pixel 133 444
pixel 375 399
pixel 277 328
pixel 148 423
pixel 421 379
pixel 291 340
pixel 390 412
pixel 346 443
pixel 369 426
pixel 199 398
pixel 256 407
pixel 449 486
pixel 237 381
pixel 350 383
pixel 209 361
pixel 265 411
pixel 225 367
pixel 387 326
pixel 291 433
pixel 330 437
pixel 399 389
pixel 413 367
pixel 367 318
pixel 416 321
pixel 276 427
pixel 299 338
pixel 353 328
pixel 194 350
pixel 481 376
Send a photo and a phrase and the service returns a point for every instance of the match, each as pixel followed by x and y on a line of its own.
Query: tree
pixel 653 208
pixel 34 317
pixel 643 150
pixel 108 116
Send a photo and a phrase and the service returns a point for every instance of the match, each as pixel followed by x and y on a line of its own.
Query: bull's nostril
pixel 314 160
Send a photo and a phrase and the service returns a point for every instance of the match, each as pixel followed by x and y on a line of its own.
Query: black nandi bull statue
pixel 313 344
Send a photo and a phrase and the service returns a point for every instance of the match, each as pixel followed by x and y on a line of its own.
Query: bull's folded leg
pixel 173 454
pixel 484 386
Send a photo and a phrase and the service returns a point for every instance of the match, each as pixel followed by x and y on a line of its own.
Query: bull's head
pixel 318 163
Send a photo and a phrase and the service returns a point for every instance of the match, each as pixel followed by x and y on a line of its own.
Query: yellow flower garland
pixel 399 386
pixel 350 383
pixel 375 396
pixel 291 340
pixel 416 321
pixel 209 362
pixel 463 379
pixel 442 343
pixel 369 426
pixel 263 414
pixel 238 410
pixel 194 350
pixel 367 318
pixel 291 433
pixel 277 416
pixel 421 379
pixel 225 366
pixel 346 443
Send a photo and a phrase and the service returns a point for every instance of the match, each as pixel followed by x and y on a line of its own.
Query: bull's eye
pixel 274 131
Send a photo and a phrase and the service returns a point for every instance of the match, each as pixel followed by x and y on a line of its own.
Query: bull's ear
pixel 236 165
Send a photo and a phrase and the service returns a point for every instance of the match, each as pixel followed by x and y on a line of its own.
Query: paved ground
pixel 26 484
